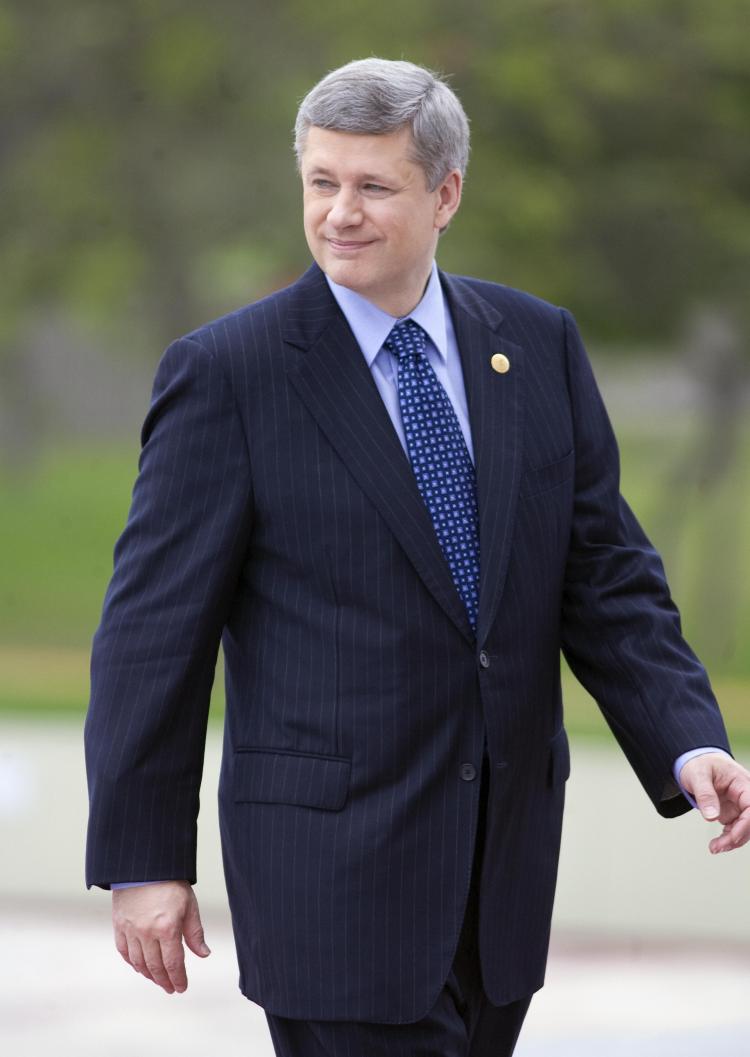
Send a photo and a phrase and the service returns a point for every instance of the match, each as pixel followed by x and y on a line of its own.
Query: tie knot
pixel 406 338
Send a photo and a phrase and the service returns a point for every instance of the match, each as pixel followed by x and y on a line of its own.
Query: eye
pixel 321 184
pixel 375 188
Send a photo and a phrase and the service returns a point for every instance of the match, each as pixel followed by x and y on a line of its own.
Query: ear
pixel 448 199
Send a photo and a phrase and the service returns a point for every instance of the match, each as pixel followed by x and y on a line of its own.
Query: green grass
pixel 701 527
pixel 584 720
pixel 45 681
pixel 54 681
pixel 60 523
pixel 57 534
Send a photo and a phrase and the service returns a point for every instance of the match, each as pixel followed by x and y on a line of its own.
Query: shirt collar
pixel 371 325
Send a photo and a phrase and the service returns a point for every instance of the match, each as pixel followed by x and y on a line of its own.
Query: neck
pixel 403 302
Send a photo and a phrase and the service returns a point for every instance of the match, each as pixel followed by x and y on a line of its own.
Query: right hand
pixel 150 922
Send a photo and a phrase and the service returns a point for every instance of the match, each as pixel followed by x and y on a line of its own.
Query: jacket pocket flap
pixel 559 758
pixel 275 776
pixel 544 477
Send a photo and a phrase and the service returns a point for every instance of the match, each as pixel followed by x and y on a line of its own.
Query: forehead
pixel 352 154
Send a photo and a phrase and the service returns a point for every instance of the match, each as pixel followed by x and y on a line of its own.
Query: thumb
pixel 706 799
pixel 192 930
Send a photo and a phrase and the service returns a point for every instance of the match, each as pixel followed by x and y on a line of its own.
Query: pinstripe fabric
pixel 275 507
pixel 462 1023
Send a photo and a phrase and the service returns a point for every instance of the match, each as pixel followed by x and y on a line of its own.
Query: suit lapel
pixel 495 403
pixel 336 385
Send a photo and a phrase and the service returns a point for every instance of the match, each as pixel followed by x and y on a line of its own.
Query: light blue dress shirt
pixel 371 326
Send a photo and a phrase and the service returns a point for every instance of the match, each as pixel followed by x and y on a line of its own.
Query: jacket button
pixel 484 660
pixel 468 772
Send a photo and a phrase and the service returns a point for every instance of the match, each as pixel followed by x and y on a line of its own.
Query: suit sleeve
pixel 621 631
pixel 176 567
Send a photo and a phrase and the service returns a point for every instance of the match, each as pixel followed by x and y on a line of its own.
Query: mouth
pixel 347 245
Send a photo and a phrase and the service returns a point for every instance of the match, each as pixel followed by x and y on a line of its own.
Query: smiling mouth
pixel 342 244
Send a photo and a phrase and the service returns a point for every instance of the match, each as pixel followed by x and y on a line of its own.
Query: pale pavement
pixel 651 954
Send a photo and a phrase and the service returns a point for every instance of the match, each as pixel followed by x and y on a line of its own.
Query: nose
pixel 345 211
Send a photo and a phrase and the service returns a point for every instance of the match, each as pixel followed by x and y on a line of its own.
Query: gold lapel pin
pixel 500 363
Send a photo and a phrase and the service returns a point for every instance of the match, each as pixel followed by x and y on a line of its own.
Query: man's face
pixel 370 221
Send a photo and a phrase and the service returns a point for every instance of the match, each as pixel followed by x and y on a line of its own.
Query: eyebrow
pixel 319 170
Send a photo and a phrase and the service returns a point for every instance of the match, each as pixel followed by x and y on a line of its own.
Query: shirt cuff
pixel 682 760
pixel 131 884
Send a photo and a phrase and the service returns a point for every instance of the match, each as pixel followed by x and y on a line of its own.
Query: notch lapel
pixel 335 383
pixel 496 409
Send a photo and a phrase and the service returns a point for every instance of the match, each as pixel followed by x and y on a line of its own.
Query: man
pixel 394 493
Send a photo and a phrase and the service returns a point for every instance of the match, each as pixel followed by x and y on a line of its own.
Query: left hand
pixel 721 788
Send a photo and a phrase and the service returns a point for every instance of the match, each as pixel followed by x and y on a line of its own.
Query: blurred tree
pixel 148 182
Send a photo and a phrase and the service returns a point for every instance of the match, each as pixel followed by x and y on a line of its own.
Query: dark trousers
pixel 462 1023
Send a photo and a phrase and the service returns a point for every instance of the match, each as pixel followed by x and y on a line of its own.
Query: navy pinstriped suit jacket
pixel 275 507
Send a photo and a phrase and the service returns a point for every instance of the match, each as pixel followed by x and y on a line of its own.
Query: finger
pixel 121 944
pixel 155 964
pixel 729 813
pixel 193 931
pixel 734 835
pixel 721 843
pixel 173 956
pixel 739 830
pixel 136 957
pixel 738 790
pixel 706 798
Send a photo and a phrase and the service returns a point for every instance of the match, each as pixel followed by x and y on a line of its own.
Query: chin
pixel 342 273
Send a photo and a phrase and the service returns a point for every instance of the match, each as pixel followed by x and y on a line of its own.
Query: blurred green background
pixel 148 184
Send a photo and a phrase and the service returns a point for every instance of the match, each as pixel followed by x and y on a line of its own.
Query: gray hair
pixel 376 96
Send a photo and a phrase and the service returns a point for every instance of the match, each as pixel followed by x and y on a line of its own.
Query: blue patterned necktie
pixel 440 460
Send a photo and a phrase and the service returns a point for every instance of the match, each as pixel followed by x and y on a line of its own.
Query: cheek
pixel 410 229
pixel 312 216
